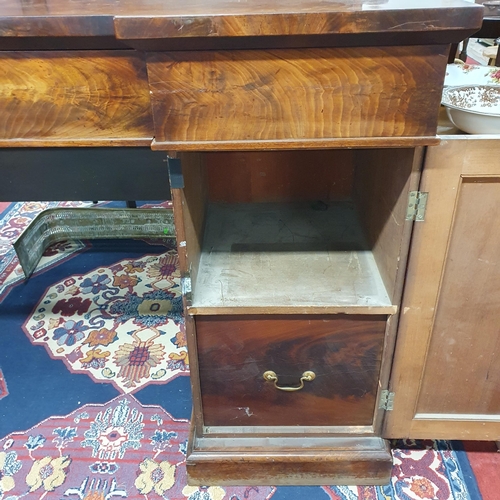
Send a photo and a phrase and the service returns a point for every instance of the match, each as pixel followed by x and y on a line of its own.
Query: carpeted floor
pixel 94 386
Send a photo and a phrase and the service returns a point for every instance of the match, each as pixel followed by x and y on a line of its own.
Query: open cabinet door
pixel 446 372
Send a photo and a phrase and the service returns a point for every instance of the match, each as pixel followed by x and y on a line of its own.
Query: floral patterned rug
pixel 121 324
pixel 118 450
pixel 94 393
pixel 126 450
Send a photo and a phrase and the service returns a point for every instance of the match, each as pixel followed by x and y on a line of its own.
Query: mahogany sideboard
pixel 301 142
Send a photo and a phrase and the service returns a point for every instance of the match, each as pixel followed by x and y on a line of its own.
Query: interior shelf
pixel 286 258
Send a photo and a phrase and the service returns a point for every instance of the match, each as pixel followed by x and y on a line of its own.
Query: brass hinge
pixel 417 202
pixel 386 400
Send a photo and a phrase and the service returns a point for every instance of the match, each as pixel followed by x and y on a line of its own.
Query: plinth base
pixel 297 460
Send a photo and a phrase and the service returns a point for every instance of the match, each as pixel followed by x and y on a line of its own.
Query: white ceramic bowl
pixel 475 109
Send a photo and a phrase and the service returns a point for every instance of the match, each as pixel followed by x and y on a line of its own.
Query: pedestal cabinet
pixel 293 277
pixel 296 134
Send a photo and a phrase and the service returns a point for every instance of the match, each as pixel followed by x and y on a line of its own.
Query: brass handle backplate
pixel 271 376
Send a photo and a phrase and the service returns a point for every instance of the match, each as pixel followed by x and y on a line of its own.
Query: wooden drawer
pixel 343 351
pixel 283 98
pixel 74 98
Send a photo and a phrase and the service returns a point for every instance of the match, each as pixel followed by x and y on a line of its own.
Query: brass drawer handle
pixel 307 376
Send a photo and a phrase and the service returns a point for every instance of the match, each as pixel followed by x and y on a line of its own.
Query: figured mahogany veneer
pixel 343 351
pixel 288 460
pixel 202 100
pixel 74 98
pixel 160 19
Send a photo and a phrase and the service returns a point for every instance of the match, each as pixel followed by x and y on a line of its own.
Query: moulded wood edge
pixel 65 142
pixel 287 431
pixel 194 310
pixel 330 143
pixel 367 462
pixel 251 24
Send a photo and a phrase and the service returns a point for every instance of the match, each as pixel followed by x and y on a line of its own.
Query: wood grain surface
pixel 282 144
pixel 383 180
pixel 219 18
pixel 274 256
pixel 465 349
pixel 74 98
pixel 261 177
pixel 287 95
pixel 446 373
pixel 344 352
pixel 190 210
pixel 286 461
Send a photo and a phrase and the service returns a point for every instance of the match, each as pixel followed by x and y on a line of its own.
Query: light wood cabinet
pixel 446 372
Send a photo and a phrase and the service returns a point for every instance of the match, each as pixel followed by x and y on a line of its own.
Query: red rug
pixel 484 459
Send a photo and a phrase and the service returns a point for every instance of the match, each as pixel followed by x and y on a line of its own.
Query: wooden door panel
pixel 464 353
pixel 446 373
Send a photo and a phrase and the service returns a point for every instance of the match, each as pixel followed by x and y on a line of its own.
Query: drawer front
pixel 74 98
pixel 344 353
pixel 295 94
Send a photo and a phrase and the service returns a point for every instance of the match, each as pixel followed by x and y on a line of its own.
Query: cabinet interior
pixel 296 231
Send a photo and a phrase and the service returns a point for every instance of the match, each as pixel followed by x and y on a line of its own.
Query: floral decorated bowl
pixel 471 74
pixel 475 109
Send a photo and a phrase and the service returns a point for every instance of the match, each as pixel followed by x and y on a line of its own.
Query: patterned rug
pixel 121 323
pixel 121 449
pixel 94 392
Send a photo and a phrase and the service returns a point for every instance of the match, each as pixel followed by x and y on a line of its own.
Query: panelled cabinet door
pixel 446 374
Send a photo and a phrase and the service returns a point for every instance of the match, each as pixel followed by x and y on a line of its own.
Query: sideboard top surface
pixel 139 19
